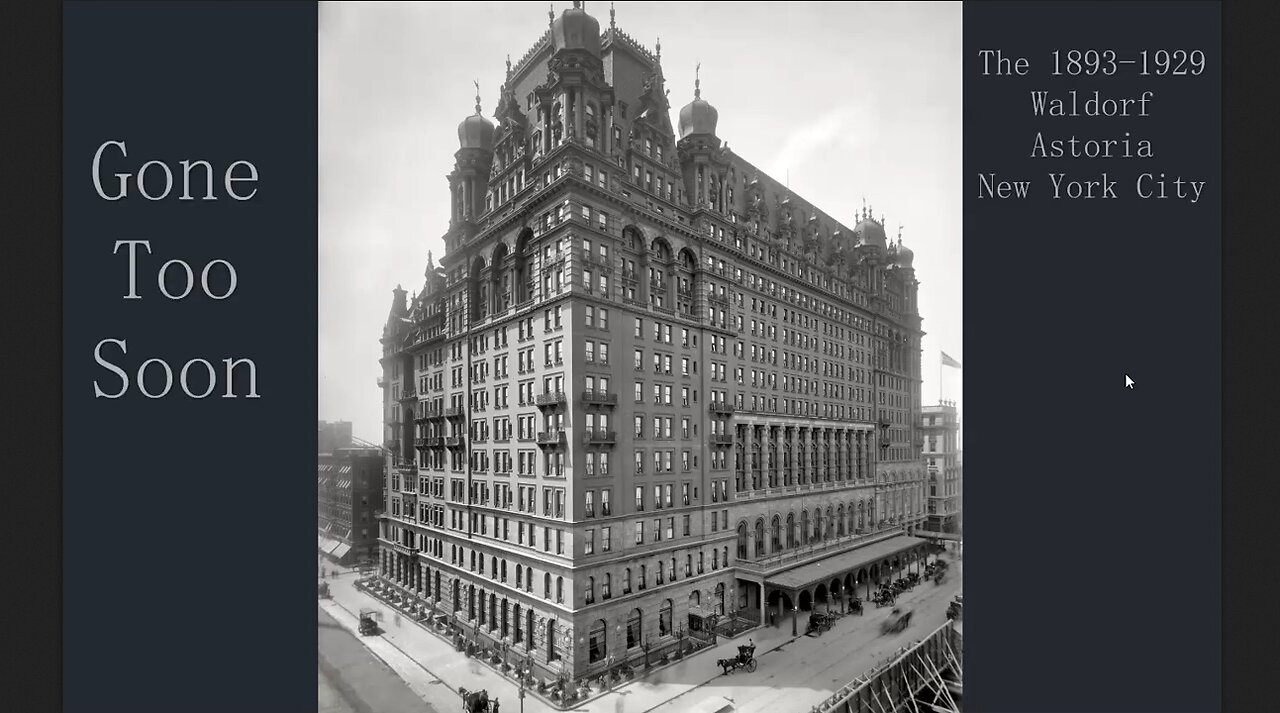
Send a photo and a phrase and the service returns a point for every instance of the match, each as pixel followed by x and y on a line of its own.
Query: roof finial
pixel 612 23
pixel 899 234
pixel 697 81
pixel 658 48
pixel 477 83
pixel 508 66
pixel 864 207
pixel 551 14
pixel 431 263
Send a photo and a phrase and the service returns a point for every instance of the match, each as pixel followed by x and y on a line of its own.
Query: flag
pixel 948 361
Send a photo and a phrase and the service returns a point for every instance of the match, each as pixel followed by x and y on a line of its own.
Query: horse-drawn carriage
pixel 956 608
pixel 819 623
pixel 368 622
pixel 884 598
pixel 746 659
pixel 477 701
pixel 896 623
pixel 855 605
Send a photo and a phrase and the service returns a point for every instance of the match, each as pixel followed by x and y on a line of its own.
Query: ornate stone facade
pixel 637 348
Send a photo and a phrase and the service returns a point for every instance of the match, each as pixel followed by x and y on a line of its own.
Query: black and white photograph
pixel 640 357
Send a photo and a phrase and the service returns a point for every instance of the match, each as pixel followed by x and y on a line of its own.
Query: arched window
pixel 742 540
pixel 589 595
pixel 719 601
pixel 776 538
pixel 804 527
pixel 552 652
pixel 828 525
pixel 664 619
pixel 519 577
pixel 760 537
pixel 529 627
pixel 695 598
pixel 626 581
pixel 560 590
pixel 791 530
pixel 605 588
pixel 644 571
pixel 493 611
pixel 633 628
pixel 517 635
pixel 596 643
pixel 546 585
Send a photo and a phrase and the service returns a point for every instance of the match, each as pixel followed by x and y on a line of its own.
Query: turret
pixel 472 163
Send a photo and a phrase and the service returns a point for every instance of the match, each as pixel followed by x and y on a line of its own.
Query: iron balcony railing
pixel 551 399
pixel 595 396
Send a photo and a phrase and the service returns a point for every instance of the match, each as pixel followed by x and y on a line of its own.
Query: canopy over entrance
pixel 823 571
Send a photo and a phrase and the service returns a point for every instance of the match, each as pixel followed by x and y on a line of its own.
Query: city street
pixel 793 674
pixel 352 680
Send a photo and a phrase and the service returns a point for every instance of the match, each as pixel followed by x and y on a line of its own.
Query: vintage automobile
pixel 818 623
pixel 898 620
pixel 368 622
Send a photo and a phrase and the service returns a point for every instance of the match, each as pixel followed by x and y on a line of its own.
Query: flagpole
pixel 941 366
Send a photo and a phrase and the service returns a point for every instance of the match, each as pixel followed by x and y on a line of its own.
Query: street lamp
pixel 521 674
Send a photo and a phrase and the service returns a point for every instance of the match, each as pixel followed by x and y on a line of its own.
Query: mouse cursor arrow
pixel 1128 383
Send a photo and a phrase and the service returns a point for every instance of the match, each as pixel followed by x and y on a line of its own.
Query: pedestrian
pixel 397 618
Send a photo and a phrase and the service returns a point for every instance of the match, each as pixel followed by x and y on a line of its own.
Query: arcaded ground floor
pixel 794 672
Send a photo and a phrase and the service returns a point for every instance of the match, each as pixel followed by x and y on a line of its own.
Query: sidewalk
pixel 435 670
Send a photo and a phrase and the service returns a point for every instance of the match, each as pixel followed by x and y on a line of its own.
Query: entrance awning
pixel 838 566
pixel 327 544
pixel 341 550
pixel 939 535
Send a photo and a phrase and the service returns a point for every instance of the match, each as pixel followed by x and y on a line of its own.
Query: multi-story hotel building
pixel 940 428
pixel 645 384
pixel 349 483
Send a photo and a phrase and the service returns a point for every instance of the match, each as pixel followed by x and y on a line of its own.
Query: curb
pixel 387 663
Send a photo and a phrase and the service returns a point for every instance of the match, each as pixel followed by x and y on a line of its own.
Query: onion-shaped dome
pixel 905 256
pixel 475 131
pixel 870 234
pixel 698 116
pixel 576 30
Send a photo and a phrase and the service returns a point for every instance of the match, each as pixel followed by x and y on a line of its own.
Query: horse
pixel 474 701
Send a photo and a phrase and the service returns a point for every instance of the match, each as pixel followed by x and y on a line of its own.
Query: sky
pixel 848 100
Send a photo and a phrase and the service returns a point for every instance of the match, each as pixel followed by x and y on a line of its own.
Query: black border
pixel 31 44
pixel 31 274
pixel 1250 334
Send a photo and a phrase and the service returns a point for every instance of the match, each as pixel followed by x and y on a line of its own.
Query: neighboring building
pixel 350 484
pixel 941 428
pixel 332 436
pixel 639 355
